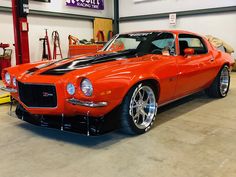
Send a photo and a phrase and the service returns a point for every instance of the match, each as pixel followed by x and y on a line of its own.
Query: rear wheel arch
pixel 222 66
pixel 226 63
pixel 215 89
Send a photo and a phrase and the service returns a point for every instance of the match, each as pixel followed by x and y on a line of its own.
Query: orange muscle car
pixel 123 84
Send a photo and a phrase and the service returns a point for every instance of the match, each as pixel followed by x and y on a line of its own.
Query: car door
pixel 194 71
pixel 163 50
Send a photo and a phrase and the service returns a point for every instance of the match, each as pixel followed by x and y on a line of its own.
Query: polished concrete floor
pixel 194 137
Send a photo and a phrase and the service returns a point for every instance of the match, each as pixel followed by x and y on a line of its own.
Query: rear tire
pixel 220 87
pixel 138 110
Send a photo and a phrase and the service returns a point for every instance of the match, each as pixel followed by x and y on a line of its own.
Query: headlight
pixel 8 78
pixel 70 89
pixel 86 87
pixel 14 81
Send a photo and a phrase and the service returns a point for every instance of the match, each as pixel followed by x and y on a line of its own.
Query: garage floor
pixel 194 137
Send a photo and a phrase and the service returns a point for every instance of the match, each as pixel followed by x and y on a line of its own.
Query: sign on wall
pixel 172 19
pixel 91 4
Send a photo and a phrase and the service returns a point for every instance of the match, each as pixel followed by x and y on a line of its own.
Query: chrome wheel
pixel 224 81
pixel 143 107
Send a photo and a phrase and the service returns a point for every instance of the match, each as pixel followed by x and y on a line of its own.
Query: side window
pixel 130 43
pixel 164 44
pixel 192 41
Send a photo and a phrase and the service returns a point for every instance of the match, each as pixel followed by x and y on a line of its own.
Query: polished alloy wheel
pixel 224 81
pixel 143 107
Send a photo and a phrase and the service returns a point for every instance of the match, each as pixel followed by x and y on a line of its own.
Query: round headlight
pixel 70 89
pixel 14 81
pixel 86 87
pixel 7 78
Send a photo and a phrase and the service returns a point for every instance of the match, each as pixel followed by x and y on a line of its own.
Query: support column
pixel 20 10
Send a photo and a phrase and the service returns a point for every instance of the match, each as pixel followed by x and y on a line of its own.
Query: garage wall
pixel 221 25
pixel 65 26
pixel 81 29
pixel 59 6
pixel 144 7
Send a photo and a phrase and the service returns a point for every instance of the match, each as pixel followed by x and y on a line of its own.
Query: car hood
pixel 87 61
pixel 65 66
pixel 99 65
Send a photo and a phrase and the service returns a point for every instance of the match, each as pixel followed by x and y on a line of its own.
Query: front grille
pixel 38 96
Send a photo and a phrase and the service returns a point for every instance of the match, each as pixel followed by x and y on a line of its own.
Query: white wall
pixel 65 27
pixel 59 6
pixel 80 28
pixel 222 25
pixel 129 8
pixel 6 31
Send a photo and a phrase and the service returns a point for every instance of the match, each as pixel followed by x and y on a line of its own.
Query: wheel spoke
pixel 137 117
pixel 140 95
pixel 144 114
pixel 146 101
pixel 136 106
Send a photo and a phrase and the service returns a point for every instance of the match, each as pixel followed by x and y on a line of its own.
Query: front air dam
pixel 90 126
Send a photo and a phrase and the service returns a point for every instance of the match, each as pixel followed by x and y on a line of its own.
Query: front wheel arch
pixel 154 82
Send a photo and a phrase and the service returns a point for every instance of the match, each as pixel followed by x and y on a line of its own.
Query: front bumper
pixel 68 106
pixel 90 126
pixel 87 103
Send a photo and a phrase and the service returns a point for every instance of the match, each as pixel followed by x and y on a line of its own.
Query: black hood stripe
pixel 88 61
pixel 42 66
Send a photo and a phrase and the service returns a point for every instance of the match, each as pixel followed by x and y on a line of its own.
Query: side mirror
pixel 189 51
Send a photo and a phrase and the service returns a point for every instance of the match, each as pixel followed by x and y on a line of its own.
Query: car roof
pixel 170 31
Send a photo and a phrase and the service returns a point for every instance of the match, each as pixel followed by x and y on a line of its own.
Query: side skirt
pixel 171 101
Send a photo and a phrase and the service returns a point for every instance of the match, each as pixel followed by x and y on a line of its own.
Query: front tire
pixel 220 87
pixel 138 110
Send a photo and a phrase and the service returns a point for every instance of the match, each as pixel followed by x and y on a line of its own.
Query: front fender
pixel 116 88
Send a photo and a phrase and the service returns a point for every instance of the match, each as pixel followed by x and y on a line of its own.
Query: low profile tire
pixel 138 110
pixel 220 87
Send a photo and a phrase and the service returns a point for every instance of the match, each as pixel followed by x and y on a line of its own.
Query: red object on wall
pixel 5 58
pixel 83 49
pixel 4 45
pixel 4 63
pixel 57 45
pixel 21 28
pixel 100 36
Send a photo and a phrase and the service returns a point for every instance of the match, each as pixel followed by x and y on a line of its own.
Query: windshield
pixel 153 42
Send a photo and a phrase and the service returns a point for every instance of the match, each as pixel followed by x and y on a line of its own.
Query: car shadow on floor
pixel 181 107
pixel 165 113
pixel 95 142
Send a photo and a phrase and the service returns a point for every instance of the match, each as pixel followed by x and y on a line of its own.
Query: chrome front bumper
pixel 11 90
pixel 86 103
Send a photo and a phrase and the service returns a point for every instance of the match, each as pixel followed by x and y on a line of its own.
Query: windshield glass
pixel 153 42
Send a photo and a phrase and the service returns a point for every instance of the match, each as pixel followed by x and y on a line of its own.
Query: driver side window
pixel 192 41
pixel 164 44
